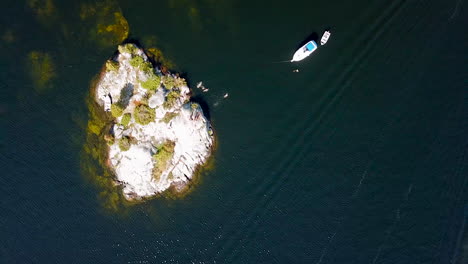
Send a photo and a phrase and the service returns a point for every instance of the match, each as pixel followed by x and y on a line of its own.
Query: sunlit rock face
pixel 159 137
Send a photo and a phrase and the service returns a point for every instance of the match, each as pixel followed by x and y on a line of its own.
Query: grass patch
pixel 124 143
pixel 144 114
pixel 126 119
pixel 168 117
pixel 162 157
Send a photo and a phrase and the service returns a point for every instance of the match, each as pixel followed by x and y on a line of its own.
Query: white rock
pixel 157 99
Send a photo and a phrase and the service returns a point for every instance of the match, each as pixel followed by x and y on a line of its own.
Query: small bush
pixel 126 119
pixel 140 63
pixel 171 99
pixel 168 117
pixel 144 114
pixel 162 157
pixel 124 143
pixel 194 106
pixel 128 48
pixel 112 65
pixel 152 83
pixel 169 82
pixel 178 82
pixel 116 110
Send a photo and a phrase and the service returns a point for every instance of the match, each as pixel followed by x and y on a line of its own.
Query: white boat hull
pixel 304 51
pixel 325 37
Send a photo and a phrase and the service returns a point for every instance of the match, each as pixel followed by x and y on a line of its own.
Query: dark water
pixel 358 158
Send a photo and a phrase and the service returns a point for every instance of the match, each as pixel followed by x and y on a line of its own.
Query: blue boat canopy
pixel 310 46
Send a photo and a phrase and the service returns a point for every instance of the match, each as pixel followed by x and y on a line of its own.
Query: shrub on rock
pixel 162 158
pixel 171 99
pixel 126 119
pixel 144 114
pixel 124 143
pixel 140 63
pixel 128 48
pixel 152 83
pixel 112 65
pixel 116 110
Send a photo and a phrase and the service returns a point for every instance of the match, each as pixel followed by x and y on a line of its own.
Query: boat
pixel 304 51
pixel 325 37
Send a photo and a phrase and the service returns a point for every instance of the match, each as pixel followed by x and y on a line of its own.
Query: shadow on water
pixel 133 41
pixel 313 36
pixel 203 104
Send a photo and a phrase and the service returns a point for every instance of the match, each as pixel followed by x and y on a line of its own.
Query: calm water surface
pixel 358 158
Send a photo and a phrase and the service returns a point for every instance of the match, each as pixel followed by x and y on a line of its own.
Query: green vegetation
pixel 168 81
pixel 152 83
pixel 126 119
pixel 128 48
pixel 139 62
pixel 116 110
pixel 124 143
pixel 112 65
pixel 168 117
pixel 144 114
pixel 162 157
pixel 171 98
pixel 178 82
pixel 194 106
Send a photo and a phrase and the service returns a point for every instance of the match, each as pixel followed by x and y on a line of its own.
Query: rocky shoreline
pixel 159 138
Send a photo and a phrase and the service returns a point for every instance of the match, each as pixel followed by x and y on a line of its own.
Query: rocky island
pixel 158 138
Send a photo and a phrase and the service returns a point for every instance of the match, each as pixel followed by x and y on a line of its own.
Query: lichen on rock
pixel 158 138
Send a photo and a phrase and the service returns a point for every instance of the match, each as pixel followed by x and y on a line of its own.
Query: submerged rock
pixel 160 137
